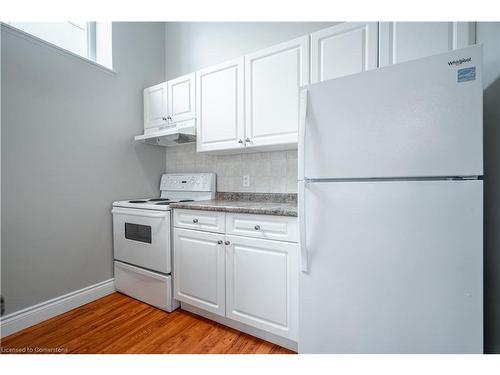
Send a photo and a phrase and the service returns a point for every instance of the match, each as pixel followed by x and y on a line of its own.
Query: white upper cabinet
pixel 272 80
pixel 252 102
pixel 169 102
pixel 220 106
pixel 403 41
pixel 181 98
pixel 155 106
pixel 344 49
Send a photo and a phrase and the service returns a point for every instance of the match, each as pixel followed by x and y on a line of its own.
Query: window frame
pixel 91 40
pixel 91 44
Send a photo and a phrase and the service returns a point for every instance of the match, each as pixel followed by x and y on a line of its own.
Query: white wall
pixel 67 153
pixel 489 35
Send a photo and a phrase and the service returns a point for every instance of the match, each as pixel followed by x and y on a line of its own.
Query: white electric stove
pixel 142 238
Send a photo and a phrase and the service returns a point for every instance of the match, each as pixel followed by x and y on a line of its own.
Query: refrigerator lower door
pixel 394 267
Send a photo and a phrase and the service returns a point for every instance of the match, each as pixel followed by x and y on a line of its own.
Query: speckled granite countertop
pixel 247 203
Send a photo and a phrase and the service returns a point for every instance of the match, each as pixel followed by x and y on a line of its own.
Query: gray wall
pixel 489 35
pixel 194 45
pixel 67 153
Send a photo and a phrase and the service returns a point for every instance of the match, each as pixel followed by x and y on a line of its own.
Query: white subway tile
pixel 270 172
pixel 278 167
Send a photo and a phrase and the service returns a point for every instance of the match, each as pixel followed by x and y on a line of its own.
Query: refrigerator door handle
pixel 302 226
pixel 302 133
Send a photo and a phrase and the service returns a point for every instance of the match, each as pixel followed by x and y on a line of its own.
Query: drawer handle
pixel 195 221
pixel 257 227
pixel 226 242
pixel 219 242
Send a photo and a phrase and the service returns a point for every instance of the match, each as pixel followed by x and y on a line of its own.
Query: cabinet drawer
pixel 281 228
pixel 201 220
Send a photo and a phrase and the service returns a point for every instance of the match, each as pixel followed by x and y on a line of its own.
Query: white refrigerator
pixel 391 209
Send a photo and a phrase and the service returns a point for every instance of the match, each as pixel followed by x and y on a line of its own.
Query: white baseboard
pixel 32 315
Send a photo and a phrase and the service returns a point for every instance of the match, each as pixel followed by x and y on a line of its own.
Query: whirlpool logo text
pixel 459 61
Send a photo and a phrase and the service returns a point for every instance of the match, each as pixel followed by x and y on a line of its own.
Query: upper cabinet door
pixel 181 98
pixel 272 80
pixel 155 106
pixel 344 49
pixel 403 41
pixel 220 106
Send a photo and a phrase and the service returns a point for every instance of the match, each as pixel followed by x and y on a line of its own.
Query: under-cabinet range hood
pixel 169 136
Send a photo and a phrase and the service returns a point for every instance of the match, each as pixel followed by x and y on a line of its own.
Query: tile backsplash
pixel 270 172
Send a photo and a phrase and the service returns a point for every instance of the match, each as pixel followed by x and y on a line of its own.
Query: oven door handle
pixel 136 212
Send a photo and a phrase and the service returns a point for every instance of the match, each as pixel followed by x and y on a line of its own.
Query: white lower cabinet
pixel 262 284
pixel 249 280
pixel 199 269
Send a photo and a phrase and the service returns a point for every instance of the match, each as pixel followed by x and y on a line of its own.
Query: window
pixel 91 40
pixel 138 232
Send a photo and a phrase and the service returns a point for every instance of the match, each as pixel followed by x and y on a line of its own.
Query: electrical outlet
pixel 246 181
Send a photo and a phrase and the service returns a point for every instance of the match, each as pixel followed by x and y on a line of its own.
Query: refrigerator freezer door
pixel 394 267
pixel 421 118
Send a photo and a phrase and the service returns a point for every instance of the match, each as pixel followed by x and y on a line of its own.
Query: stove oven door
pixel 142 238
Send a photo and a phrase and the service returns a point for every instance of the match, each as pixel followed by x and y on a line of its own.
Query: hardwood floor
pixel 119 324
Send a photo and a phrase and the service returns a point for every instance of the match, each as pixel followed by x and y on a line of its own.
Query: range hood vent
pixel 170 137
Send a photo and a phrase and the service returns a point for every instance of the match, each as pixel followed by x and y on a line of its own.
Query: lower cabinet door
pixel 199 269
pixel 262 284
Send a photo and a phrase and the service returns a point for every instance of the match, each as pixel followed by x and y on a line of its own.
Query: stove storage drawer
pixel 209 221
pixel 281 228
pixel 150 287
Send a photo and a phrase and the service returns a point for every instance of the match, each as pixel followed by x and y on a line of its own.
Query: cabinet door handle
pixel 240 141
pixel 164 118
pixel 169 117
pixel 195 221
pixel 227 242
pixel 219 242
pixel 257 227
pixel 247 140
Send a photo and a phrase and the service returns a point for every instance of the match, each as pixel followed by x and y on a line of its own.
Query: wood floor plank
pixel 119 324
pixel 77 333
pixel 225 342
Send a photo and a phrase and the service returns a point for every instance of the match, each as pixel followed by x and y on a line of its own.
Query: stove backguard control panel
pixel 188 182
